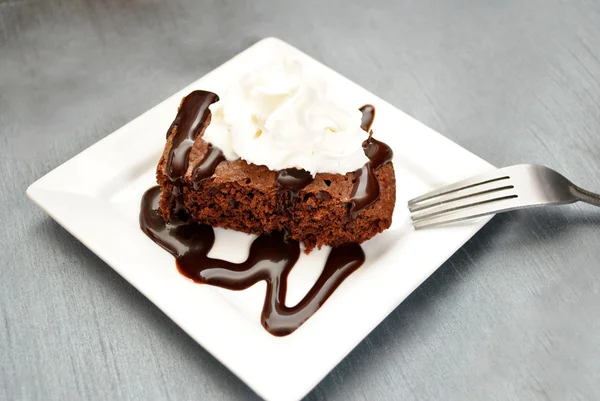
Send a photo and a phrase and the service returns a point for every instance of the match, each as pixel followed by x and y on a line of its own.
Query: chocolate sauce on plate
pixel 271 259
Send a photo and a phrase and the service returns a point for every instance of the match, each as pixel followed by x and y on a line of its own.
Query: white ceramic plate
pixel 96 197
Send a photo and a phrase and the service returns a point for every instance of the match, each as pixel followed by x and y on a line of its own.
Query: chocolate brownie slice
pixel 332 209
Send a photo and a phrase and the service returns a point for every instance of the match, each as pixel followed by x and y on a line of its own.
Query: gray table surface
pixel 513 315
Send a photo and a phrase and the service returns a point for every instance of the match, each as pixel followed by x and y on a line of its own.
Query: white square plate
pixel 96 197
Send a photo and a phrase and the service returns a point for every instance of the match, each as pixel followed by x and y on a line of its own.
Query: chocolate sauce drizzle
pixel 207 166
pixel 193 116
pixel 290 182
pixel 366 189
pixel 271 258
pixel 368 116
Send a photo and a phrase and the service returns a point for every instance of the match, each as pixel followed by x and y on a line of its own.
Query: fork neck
pixel 585 196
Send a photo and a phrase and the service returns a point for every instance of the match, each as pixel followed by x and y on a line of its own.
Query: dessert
pixel 279 159
pixel 246 167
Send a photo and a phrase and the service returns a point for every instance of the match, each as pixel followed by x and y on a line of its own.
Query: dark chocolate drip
pixel 378 153
pixel 271 258
pixel 366 189
pixel 177 237
pixel 207 167
pixel 281 320
pixel 192 117
pixel 179 211
pixel 368 116
pixel 290 181
pixel 293 179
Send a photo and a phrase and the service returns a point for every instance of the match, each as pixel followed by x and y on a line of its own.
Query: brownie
pixel 248 198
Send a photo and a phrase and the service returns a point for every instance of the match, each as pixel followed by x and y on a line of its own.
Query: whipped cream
pixel 280 117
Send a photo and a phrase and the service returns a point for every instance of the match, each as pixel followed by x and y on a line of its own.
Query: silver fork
pixel 505 189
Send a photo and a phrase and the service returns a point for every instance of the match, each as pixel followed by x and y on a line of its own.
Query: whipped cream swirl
pixel 279 117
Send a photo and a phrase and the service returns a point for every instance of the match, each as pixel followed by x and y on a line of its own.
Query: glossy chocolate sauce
pixel 207 166
pixel 366 189
pixel 290 182
pixel 193 116
pixel 368 116
pixel 271 258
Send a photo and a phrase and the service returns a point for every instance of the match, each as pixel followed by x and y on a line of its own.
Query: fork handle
pixel 585 196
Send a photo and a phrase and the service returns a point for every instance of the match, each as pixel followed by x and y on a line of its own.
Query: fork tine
pixel 497 205
pixel 481 179
pixel 463 203
pixel 469 192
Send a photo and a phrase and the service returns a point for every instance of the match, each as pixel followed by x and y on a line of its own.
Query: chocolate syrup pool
pixel 271 259
pixel 272 256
